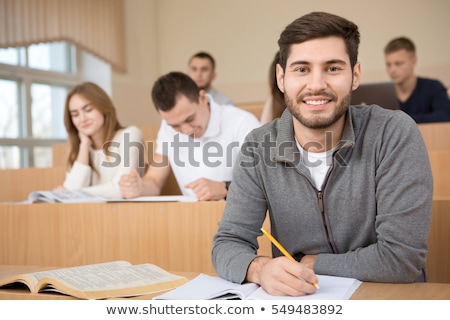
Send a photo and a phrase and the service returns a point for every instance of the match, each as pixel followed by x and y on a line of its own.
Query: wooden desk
pixel 438 258
pixel 436 135
pixel 175 236
pixel 172 235
pixel 441 173
pixel 18 183
pixel 406 291
pixel 367 290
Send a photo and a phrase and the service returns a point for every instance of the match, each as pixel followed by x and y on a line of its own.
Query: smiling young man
pixel 348 188
pixel 198 139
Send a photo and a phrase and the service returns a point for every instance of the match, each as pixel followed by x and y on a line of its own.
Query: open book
pixel 66 196
pixel 205 287
pixel 63 196
pixel 99 281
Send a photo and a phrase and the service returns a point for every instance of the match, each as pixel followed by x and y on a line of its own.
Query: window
pixel 34 82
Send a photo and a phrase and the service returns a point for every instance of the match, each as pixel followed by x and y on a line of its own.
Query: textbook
pixel 205 287
pixel 99 281
pixel 66 196
pixel 63 196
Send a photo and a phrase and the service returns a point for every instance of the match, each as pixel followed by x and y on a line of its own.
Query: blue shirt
pixel 428 102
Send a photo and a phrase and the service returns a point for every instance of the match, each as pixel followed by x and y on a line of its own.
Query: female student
pixel 101 150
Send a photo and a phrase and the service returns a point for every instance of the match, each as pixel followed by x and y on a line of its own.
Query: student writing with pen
pixel 348 188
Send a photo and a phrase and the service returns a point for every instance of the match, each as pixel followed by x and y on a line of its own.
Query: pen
pixel 283 250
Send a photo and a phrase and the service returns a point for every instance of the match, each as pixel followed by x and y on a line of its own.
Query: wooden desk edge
pixel 366 291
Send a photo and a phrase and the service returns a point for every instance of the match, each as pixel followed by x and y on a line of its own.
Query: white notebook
pixel 205 287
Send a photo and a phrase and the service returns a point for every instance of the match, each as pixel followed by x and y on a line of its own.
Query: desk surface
pixel 367 290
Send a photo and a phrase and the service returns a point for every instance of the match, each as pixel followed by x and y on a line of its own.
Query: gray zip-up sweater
pixel 371 219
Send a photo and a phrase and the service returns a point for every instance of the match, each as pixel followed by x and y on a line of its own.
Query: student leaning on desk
pixel 198 139
pixel 101 149
pixel 348 188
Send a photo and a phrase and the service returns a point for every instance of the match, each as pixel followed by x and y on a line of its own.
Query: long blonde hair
pixel 103 103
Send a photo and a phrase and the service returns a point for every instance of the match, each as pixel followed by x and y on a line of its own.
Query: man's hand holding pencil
pixel 282 276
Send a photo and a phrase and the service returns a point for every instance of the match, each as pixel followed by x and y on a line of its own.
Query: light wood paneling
pixel 174 236
pixel 438 259
pixel 402 291
pixel 436 135
pixel 439 161
pixel 60 153
pixel 16 184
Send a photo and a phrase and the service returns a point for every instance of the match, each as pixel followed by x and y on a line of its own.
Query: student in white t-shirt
pixel 198 139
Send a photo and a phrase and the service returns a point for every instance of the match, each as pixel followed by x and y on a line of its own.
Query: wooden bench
pixel 18 183
pixel 438 258
pixel 175 236
pixel 436 135
pixel 439 161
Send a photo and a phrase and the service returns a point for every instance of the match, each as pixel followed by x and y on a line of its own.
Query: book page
pixel 158 199
pixel 108 280
pixel 86 269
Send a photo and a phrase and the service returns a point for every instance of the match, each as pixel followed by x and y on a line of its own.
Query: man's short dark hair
pixel 204 55
pixel 399 44
pixel 319 25
pixel 168 89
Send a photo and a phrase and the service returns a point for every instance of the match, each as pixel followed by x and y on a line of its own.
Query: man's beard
pixel 319 121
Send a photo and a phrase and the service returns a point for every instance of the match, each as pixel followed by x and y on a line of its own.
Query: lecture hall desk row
pixel 175 236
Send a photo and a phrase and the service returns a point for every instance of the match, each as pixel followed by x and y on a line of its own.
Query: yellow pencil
pixel 283 250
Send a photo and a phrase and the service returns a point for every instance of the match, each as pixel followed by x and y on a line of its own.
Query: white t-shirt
pixel 211 156
pixel 318 164
pixel 125 154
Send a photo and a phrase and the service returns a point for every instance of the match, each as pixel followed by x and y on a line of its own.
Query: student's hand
pixel 59 188
pixel 281 276
pixel 85 140
pixel 206 189
pixel 130 184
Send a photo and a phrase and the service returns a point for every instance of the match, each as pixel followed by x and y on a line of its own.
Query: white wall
pixel 242 35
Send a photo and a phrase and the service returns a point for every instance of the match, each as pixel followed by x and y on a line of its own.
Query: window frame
pixel 25 77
